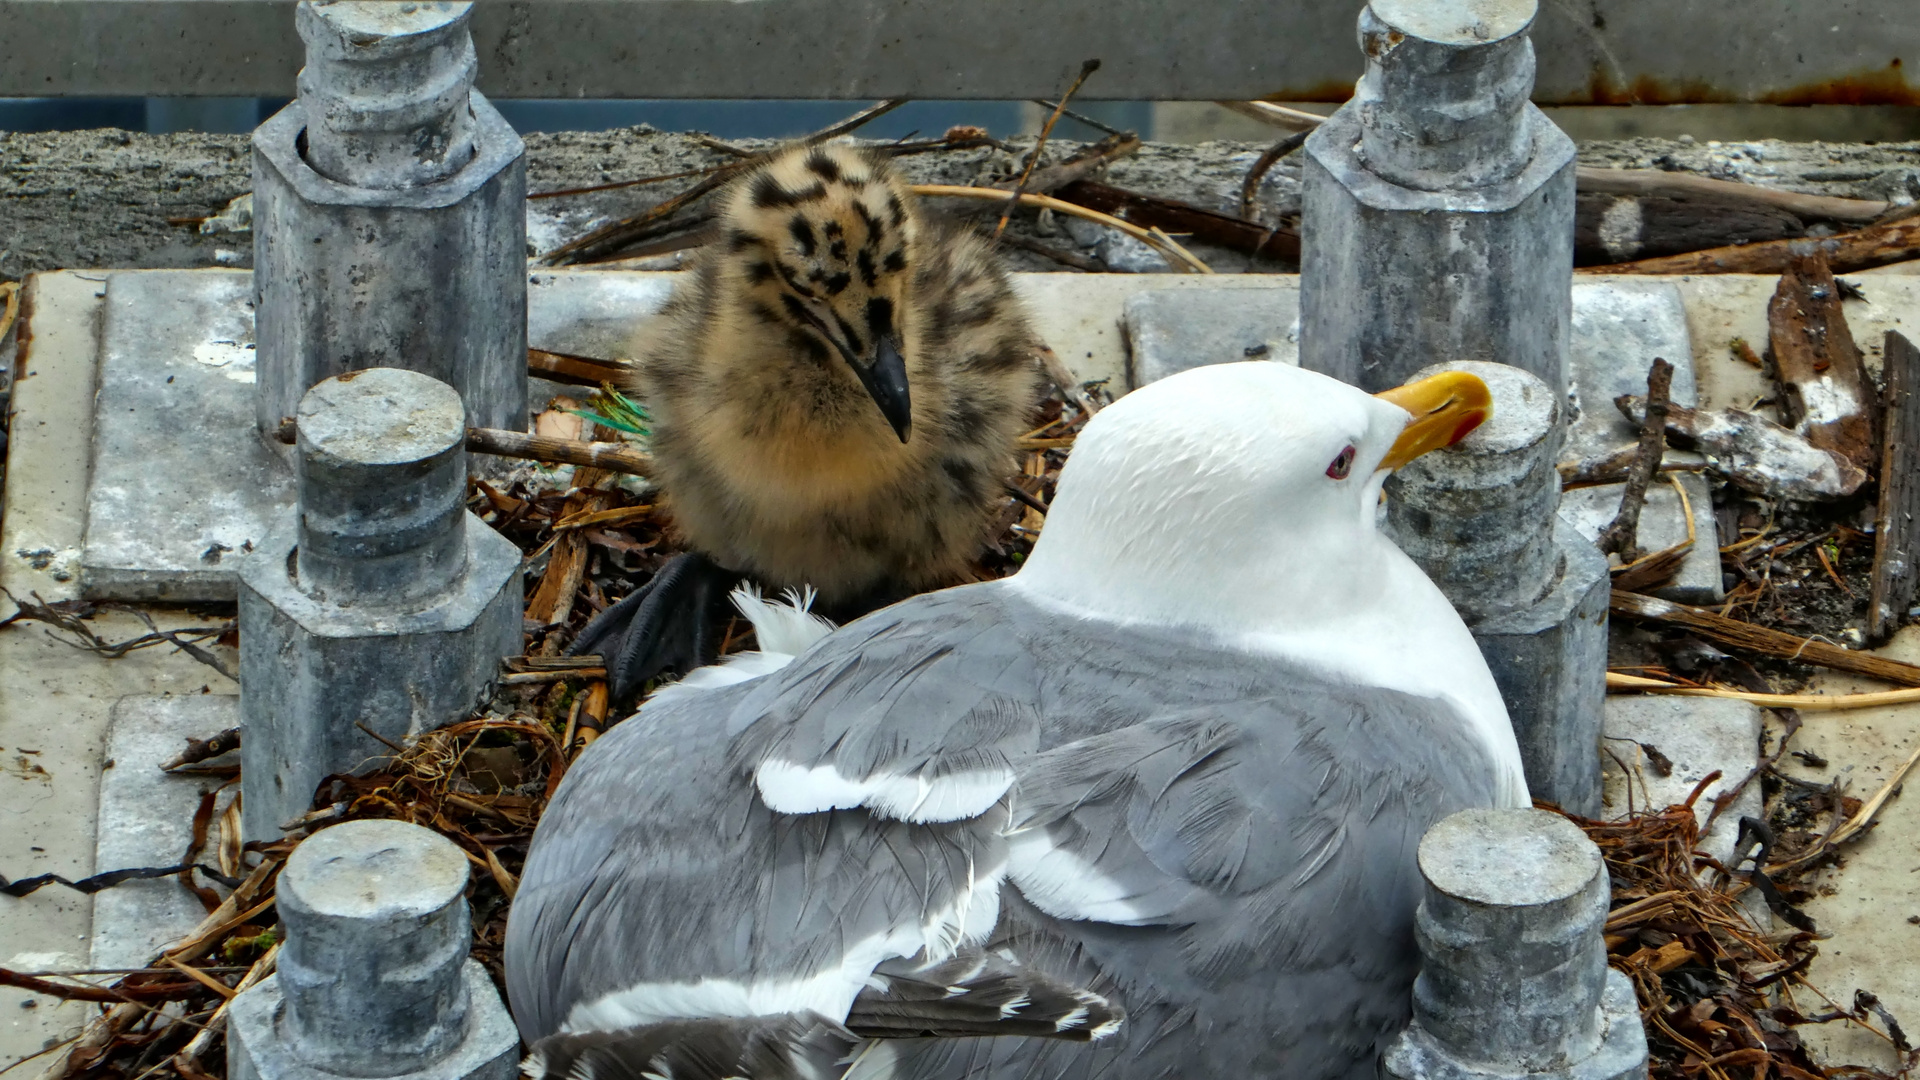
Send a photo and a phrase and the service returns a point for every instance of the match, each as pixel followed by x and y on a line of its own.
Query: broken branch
pixel 609 456
pixel 1620 536
pixel 1759 639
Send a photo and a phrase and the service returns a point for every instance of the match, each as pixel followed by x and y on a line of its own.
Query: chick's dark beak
pixel 885 377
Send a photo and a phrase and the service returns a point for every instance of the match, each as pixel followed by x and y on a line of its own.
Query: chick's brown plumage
pixel 775 445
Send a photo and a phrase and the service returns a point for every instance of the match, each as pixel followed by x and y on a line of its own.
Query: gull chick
pixel 836 389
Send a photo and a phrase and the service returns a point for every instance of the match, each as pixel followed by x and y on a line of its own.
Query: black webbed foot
pixel 668 624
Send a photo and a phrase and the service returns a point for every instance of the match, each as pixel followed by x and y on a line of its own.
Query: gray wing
pixel 917 713
pixel 659 865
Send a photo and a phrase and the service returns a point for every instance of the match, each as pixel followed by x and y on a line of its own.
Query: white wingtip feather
pixel 789 627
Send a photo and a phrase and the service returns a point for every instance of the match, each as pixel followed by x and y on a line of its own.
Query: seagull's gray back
pixel 1256 824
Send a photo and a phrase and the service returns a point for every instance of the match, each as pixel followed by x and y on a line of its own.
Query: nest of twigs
pixel 1722 998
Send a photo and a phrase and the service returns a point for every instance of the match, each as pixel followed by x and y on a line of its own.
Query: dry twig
pixel 1620 536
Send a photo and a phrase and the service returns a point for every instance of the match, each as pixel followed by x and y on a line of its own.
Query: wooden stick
pixel 201 977
pixel 607 456
pixel 1588 178
pixel 1197 222
pixel 1250 185
pixel 1759 639
pixel 1619 682
pixel 1275 115
pixel 202 1039
pixel 1847 252
pixel 1896 522
pixel 1173 251
pixel 1046 132
pixel 1620 536
pixel 575 370
pixel 537 678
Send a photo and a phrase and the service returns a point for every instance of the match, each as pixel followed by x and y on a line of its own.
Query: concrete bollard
pixel 389 218
pixel 373 979
pixel 1437 210
pixel 1481 518
pixel 1514 979
pixel 376 604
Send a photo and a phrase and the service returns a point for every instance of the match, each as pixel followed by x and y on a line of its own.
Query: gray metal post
pixel 1481 518
pixel 373 979
pixel 1514 979
pixel 389 218
pixel 1437 215
pixel 375 604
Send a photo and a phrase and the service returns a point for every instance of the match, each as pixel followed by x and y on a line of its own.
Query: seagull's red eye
pixel 1341 465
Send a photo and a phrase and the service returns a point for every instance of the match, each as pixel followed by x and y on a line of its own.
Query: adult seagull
pixel 1176 768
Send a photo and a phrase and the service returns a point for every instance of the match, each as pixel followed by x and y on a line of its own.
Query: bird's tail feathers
pixel 787 628
pixel 978 993
pixel 790 1046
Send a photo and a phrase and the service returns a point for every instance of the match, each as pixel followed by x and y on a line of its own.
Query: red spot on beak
pixel 1467 424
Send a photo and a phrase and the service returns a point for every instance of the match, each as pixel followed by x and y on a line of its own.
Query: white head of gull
pixel 1218 500
pixel 1148 808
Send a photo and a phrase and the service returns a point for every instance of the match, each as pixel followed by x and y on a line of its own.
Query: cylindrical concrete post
pixel 377 930
pixel 1482 519
pixel 389 215
pixel 1514 977
pixel 1437 212
pixel 382 471
pixel 373 979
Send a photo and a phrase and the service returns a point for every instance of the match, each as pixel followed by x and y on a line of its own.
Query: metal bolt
pixel 1514 977
pixel 386 90
pixel 1441 100
pixel 377 934
pixel 1478 517
pixel 382 474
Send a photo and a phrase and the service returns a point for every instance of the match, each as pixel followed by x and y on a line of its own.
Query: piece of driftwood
pixel 1825 393
pixel 1658 182
pixel 611 456
pixel 1753 452
pixel 1846 253
pixel 1619 537
pixel 1759 639
pixel 1895 575
pixel 1612 228
pixel 1174 216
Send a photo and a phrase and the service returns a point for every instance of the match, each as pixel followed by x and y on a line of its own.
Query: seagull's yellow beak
pixel 1445 408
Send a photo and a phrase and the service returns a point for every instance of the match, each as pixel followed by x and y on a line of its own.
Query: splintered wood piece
pixel 1825 393
pixel 1895 575
pixel 553 599
pixel 1745 635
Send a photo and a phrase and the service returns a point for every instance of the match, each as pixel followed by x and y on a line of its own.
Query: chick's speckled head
pixel 820 241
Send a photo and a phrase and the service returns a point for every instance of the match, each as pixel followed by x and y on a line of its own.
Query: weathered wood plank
pixel 1895 574
pixel 1825 394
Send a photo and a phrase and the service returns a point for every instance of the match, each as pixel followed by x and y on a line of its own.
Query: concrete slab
pixel 1171 331
pixel 54 699
pixel 1697 737
pixel 1619 327
pixel 1864 903
pixel 50 438
pixel 1663 523
pixel 183 486
pixel 146 819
